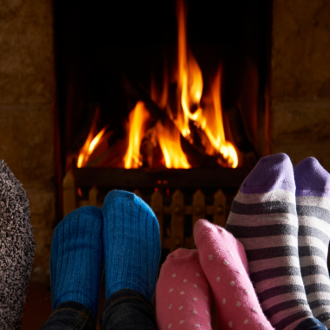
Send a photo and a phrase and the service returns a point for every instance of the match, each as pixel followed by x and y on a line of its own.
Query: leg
pixel 76 267
pixel 128 309
pixel 313 208
pixel 17 249
pixel 263 218
pixel 132 252
pixel 70 316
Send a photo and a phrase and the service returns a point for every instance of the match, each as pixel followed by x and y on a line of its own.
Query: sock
pixel 131 244
pixel 224 263
pixel 263 218
pixel 77 262
pixel 313 208
pixel 183 295
pixel 17 249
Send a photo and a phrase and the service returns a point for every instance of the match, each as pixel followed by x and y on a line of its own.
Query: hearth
pixel 193 76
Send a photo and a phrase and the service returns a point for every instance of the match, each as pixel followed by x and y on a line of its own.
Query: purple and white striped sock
pixel 263 218
pixel 313 208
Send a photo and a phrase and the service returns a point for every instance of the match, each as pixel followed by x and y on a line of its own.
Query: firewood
pixel 197 157
pixel 112 156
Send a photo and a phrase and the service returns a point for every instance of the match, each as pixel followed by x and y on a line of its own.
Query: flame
pixel 208 119
pixel 171 147
pixel 190 79
pixel 214 125
pixel 136 125
pixel 91 142
pixel 190 85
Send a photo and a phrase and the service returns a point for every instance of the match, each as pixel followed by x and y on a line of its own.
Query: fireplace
pixel 195 76
pixel 35 97
pixel 167 100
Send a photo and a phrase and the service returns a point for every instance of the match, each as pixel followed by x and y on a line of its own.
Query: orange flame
pixel 190 85
pixel 170 144
pixel 190 80
pixel 214 126
pixel 136 125
pixel 91 143
pixel 189 94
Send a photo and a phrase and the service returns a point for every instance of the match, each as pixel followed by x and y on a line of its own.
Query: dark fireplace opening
pixel 102 48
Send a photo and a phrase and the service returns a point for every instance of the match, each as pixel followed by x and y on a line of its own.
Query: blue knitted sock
pixel 131 244
pixel 76 263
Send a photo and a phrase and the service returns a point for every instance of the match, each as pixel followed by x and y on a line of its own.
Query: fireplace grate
pixel 178 197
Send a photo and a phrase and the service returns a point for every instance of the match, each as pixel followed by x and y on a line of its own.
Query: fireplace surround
pixel 297 97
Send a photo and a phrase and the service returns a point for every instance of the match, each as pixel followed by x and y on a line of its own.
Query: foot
pixel 77 262
pixel 131 244
pixel 183 299
pixel 263 218
pixel 224 263
pixel 313 208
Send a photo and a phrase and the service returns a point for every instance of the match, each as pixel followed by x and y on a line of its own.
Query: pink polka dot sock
pixel 224 263
pixel 182 293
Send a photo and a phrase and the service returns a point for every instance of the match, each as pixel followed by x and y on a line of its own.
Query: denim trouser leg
pixel 70 315
pixel 125 309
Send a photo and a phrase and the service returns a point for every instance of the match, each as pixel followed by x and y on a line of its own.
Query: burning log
pixel 137 92
pixel 111 156
pixel 196 156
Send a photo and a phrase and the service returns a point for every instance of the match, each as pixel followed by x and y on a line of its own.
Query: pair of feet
pixel 187 278
pixel 122 238
pixel 281 216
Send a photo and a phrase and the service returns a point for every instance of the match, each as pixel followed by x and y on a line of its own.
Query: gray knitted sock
pixel 16 249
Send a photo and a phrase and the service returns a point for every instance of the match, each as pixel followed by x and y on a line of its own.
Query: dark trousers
pixel 124 309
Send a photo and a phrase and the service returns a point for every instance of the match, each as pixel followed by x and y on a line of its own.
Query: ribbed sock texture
pixel 77 260
pixel 131 244
pixel 17 249
pixel 313 208
pixel 263 218
pixel 225 265
pixel 183 294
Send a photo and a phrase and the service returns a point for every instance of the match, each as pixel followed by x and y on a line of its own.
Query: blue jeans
pixel 124 309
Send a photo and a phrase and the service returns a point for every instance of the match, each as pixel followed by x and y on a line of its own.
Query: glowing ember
pixel 136 125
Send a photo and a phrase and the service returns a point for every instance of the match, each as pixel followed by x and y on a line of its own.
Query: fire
pixel 214 126
pixel 196 111
pixel 190 85
pixel 136 124
pixel 169 142
pixel 91 143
